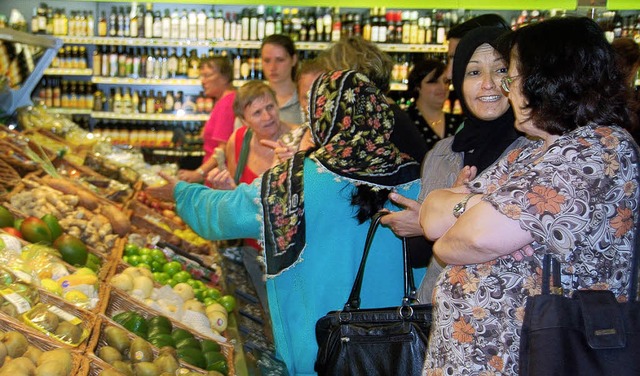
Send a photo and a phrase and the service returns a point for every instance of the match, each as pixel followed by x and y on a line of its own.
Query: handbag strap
pixel 409 285
pixel 244 153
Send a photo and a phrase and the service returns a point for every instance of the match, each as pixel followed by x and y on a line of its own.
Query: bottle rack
pixel 12 99
pixel 249 45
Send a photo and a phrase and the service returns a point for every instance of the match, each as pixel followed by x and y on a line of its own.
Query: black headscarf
pixel 482 142
pixel 351 125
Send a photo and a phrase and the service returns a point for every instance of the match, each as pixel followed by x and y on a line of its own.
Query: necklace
pixel 434 123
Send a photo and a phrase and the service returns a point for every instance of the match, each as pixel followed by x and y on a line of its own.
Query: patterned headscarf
pixel 351 124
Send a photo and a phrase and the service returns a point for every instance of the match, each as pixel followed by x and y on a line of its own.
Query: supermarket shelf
pixel 176 152
pixel 158 42
pixel 69 111
pixel 67 72
pixel 146 81
pixel 149 117
pixel 396 86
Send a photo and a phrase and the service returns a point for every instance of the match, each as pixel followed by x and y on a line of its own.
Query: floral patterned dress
pixel 577 199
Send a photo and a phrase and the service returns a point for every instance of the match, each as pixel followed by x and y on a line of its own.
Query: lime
pixel 144 251
pixel 172 267
pixel 143 265
pixel 214 293
pixel 157 255
pixel 228 302
pixel 171 282
pixel 130 249
pixel 156 266
pixel 134 260
pixel 182 276
pixel 160 277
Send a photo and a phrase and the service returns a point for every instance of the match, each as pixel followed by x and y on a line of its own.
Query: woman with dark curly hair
pixel 571 194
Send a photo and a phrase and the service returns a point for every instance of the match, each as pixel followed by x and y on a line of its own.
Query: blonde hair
pixel 360 55
pixel 248 93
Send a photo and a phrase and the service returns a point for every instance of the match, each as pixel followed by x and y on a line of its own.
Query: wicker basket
pixel 9 178
pixel 119 301
pixel 43 343
pixel 12 152
pixel 98 340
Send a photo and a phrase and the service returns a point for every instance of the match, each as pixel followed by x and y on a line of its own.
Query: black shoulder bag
pixel 587 334
pixel 377 341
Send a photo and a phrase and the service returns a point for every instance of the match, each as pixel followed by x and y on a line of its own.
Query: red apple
pixel 12 231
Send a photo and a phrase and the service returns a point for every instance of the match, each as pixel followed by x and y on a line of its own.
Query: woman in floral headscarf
pixel 312 213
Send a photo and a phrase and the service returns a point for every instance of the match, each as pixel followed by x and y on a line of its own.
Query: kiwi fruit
pixel 16 344
pixel 123 367
pixel 69 332
pixel 61 356
pixel 117 338
pixel 167 363
pixel 51 369
pixel 145 369
pixel 140 351
pixel 109 354
pixel 47 320
pixel 32 353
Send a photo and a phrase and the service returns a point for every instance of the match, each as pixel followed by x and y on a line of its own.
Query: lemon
pixel 75 296
pixel 51 286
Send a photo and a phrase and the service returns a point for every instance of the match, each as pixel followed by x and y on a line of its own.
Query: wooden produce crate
pixel 120 301
pixel 98 340
pixel 43 343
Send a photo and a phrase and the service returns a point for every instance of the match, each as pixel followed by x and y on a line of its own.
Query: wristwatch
pixel 461 206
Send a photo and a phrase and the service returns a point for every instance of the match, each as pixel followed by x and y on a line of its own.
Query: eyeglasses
pixel 506 81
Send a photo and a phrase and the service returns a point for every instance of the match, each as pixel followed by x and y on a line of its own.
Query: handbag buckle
pixel 344 317
pixel 409 311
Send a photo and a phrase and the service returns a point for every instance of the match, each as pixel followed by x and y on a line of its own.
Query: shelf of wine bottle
pixel 149 117
pixel 309 46
pixel 69 111
pixel 146 81
pixel 67 72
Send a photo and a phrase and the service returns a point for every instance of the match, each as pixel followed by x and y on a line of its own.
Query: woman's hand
pixel 164 192
pixel 405 222
pixel 221 179
pixel 190 176
pixel 282 152
pixel 467 174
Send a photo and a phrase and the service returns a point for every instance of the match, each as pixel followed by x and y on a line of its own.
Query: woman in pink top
pixel 216 75
pixel 256 106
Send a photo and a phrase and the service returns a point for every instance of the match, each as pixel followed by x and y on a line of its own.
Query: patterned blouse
pixel 452 122
pixel 577 200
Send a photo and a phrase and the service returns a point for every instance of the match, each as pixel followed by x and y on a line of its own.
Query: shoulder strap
pixel 244 152
pixel 409 285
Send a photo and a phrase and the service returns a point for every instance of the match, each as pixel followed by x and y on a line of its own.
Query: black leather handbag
pixel 587 334
pixel 378 341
